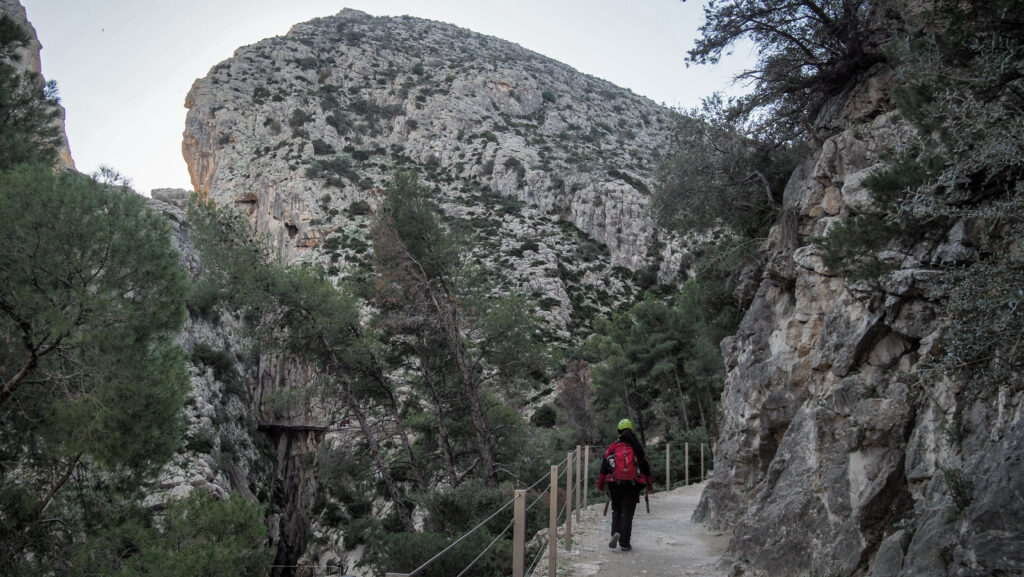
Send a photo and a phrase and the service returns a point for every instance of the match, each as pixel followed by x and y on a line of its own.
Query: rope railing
pixel 558 472
pixel 487 548
pixel 539 481
pixel 536 558
pixel 572 488
pixel 539 497
pixel 461 539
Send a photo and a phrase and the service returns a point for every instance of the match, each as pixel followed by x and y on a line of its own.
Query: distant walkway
pixel 665 542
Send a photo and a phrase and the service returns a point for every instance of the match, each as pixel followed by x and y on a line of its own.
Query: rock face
pixel 29 61
pixel 301 128
pixel 544 170
pixel 836 456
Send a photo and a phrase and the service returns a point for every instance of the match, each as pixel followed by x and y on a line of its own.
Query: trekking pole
pixel 647 501
pixel 606 503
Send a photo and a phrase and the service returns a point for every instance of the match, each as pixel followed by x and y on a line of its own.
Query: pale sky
pixel 123 67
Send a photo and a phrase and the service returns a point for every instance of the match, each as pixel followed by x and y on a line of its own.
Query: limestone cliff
pixel 305 130
pixel 544 171
pixel 836 455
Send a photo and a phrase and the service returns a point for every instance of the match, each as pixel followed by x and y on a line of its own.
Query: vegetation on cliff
pixel 891 278
pixel 92 297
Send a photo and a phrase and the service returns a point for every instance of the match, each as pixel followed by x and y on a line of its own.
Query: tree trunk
pixel 700 411
pixel 450 322
pixel 371 441
pixel 682 399
pixel 417 472
pixel 442 428
pixel 448 318
pixel 392 408
pixel 713 431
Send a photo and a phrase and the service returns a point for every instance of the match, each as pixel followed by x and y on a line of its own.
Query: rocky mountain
pixel 835 456
pixel 545 174
pixel 548 170
pixel 838 454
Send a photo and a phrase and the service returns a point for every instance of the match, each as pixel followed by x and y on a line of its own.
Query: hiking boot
pixel 625 548
pixel 615 541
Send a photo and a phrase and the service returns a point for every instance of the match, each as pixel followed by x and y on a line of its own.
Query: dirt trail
pixel 665 543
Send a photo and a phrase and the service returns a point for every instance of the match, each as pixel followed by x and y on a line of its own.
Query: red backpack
pixel 623 463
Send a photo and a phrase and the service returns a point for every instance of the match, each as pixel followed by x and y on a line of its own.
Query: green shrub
pixel 334 170
pixel 359 208
pixel 222 362
pixel 299 118
pixel 455 510
pixel 321 148
pixel 545 416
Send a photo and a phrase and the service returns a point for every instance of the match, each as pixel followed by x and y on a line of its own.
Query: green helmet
pixel 625 424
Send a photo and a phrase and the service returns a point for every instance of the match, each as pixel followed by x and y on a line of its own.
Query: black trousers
pixel 624 496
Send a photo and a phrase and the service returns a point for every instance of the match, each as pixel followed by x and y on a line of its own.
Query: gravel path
pixel 665 542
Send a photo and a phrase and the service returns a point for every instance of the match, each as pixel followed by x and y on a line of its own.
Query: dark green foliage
pixel 222 362
pixel 985 323
pixel 549 95
pixel 372 111
pixel 335 170
pixel 658 362
pixel 91 298
pixel 299 118
pixel 513 163
pixel 544 416
pixel 717 176
pixel 407 551
pixel 200 536
pixel 29 111
pixel 453 511
pixel 341 123
pixel 321 148
pixel 359 208
pixel 808 52
pixel 260 93
pixel 852 246
pixel 418 224
pixel 959 487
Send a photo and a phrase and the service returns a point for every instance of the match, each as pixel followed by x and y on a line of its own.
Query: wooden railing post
pixel 519 533
pixel 686 456
pixel 702 462
pixel 668 467
pixel 553 523
pixel 586 476
pixel 568 502
pixel 577 486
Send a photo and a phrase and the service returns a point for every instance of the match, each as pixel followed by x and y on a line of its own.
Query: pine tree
pixel 91 298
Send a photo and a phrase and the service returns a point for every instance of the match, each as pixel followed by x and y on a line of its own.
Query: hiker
pixel 625 471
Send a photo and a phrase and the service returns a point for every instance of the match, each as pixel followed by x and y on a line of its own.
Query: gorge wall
pixel 837 455
pixel 336 106
pixel 544 172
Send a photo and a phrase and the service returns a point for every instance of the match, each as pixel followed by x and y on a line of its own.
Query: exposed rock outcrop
pixel 302 127
pixel 836 456
pixel 547 171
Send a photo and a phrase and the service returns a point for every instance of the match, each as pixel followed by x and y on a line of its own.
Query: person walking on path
pixel 625 471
